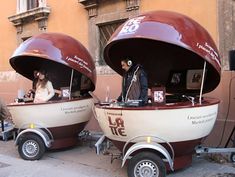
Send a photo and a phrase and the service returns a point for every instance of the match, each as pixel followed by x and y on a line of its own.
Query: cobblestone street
pixel 82 161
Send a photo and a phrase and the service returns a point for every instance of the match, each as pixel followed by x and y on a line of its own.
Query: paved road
pixel 81 161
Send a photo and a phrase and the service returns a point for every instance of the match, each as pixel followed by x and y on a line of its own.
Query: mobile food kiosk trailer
pixel 54 124
pixel 180 56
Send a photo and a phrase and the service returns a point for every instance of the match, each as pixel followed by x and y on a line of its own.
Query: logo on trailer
pixel 158 96
pixel 131 26
pixel 117 126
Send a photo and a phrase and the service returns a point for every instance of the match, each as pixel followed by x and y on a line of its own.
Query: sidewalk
pixel 82 161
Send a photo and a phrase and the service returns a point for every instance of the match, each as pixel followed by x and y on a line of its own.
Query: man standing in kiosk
pixel 134 83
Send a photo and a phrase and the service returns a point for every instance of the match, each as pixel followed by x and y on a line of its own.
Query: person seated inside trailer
pixel 44 88
pixel 134 83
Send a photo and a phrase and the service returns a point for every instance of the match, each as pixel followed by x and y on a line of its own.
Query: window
pixel 25 5
pixel 29 12
pixel 106 31
pixel 102 24
pixel 31 4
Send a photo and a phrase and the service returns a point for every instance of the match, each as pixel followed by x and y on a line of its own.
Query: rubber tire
pixel 37 141
pixel 149 156
pixel 232 157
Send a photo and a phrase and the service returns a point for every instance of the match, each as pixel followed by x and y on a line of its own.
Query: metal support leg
pixel 98 144
pixel 230 138
pixel 2 124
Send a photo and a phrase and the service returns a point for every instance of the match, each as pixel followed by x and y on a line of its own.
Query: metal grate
pixel 106 31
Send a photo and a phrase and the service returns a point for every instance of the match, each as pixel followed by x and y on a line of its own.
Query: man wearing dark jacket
pixel 134 83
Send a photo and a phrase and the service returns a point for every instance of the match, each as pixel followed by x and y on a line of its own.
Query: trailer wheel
pixel 232 157
pixel 31 147
pixel 146 164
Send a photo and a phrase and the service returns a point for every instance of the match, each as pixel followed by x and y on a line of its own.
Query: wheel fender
pixel 154 146
pixel 37 131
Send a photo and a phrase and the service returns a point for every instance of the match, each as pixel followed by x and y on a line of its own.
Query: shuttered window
pixel 31 4
pixel 106 31
pixel 25 5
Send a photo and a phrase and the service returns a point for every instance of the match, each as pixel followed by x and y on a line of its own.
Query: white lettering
pixel 82 63
pixel 210 50
pixel 131 26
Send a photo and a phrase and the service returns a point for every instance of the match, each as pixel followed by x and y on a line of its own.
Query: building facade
pixel 92 22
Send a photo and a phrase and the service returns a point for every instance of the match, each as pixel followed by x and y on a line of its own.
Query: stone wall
pixel 226 26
